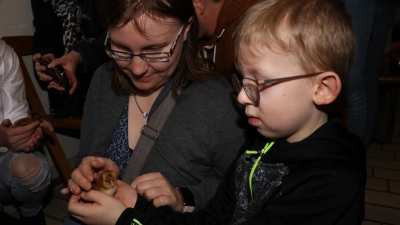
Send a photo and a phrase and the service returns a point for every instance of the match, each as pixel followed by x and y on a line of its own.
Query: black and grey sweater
pixel 319 180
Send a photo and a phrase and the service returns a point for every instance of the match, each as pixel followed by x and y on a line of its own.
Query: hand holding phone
pixel 57 73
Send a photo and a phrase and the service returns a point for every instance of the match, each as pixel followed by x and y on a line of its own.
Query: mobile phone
pixel 57 73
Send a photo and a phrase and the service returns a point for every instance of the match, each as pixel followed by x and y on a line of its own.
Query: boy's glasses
pixel 251 86
pixel 148 56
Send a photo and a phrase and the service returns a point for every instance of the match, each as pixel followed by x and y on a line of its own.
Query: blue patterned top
pixel 119 150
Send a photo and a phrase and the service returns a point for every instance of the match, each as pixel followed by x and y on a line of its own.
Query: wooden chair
pixel 23 46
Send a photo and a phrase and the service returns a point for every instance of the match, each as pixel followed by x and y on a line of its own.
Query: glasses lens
pixel 251 89
pixel 121 55
pixel 118 55
pixel 155 57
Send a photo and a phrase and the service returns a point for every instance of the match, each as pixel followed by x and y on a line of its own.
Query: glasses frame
pixel 144 56
pixel 238 84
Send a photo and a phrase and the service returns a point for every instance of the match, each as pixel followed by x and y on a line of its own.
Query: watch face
pixel 187 197
pixel 188 208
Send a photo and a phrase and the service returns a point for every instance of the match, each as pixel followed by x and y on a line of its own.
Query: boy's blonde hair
pixel 318 34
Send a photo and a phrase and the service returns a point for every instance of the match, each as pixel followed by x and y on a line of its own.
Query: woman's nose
pixel 138 66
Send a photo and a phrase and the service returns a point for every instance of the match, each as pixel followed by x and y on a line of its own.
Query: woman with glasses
pixel 153 47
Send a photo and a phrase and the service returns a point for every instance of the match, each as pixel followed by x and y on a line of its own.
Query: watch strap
pixel 187 198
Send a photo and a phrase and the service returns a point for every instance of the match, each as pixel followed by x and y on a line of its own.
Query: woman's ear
pixel 187 28
pixel 327 88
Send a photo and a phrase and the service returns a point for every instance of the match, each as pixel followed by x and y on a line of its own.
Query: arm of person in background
pixel 14 106
pixel 69 62
pixel 22 138
pixel 19 138
pixel 86 56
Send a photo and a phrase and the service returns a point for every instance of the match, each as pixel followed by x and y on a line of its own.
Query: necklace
pixel 145 114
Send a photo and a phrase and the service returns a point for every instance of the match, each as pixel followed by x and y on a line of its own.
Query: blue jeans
pixel 372 20
pixel 72 221
pixel 33 184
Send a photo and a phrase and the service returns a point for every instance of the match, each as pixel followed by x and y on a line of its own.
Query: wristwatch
pixel 187 199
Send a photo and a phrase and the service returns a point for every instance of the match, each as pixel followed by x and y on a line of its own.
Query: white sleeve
pixel 14 105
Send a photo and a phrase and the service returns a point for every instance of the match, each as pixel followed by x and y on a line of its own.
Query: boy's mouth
pixel 253 121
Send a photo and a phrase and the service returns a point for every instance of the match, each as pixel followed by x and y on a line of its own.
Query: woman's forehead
pixel 149 28
pixel 144 22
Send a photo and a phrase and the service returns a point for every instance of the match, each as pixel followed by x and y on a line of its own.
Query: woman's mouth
pixel 142 78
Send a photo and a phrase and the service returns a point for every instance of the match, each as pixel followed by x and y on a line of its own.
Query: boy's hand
pixel 20 138
pixel 96 208
pixel 155 187
pixel 83 176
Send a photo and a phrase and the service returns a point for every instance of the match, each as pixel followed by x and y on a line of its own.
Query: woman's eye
pixel 120 49
pixel 151 50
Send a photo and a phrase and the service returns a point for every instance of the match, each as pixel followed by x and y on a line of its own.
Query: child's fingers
pixel 65 191
pixel 92 196
pixel 76 206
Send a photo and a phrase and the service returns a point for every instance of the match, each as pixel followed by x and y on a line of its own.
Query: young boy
pixel 304 167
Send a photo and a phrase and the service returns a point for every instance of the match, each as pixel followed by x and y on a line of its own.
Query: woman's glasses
pixel 147 56
pixel 252 87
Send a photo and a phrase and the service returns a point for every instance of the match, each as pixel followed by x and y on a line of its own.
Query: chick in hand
pixel 32 117
pixel 105 182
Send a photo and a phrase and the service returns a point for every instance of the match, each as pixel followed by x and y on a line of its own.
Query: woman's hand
pixel 96 207
pixel 126 194
pixel 154 186
pixel 69 62
pixel 83 176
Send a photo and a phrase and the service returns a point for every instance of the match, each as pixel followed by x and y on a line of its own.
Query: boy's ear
pixel 327 88
pixel 200 6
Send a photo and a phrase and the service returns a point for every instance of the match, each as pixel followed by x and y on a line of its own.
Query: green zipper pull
pixel 263 151
pixel 251 152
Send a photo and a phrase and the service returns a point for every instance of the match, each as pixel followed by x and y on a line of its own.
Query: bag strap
pixel 150 132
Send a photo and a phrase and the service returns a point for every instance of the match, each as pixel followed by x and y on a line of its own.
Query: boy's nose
pixel 138 66
pixel 243 98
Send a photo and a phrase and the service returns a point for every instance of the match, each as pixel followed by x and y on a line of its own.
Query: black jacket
pixel 319 180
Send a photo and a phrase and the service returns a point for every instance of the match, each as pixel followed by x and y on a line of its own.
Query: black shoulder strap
pixel 150 132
